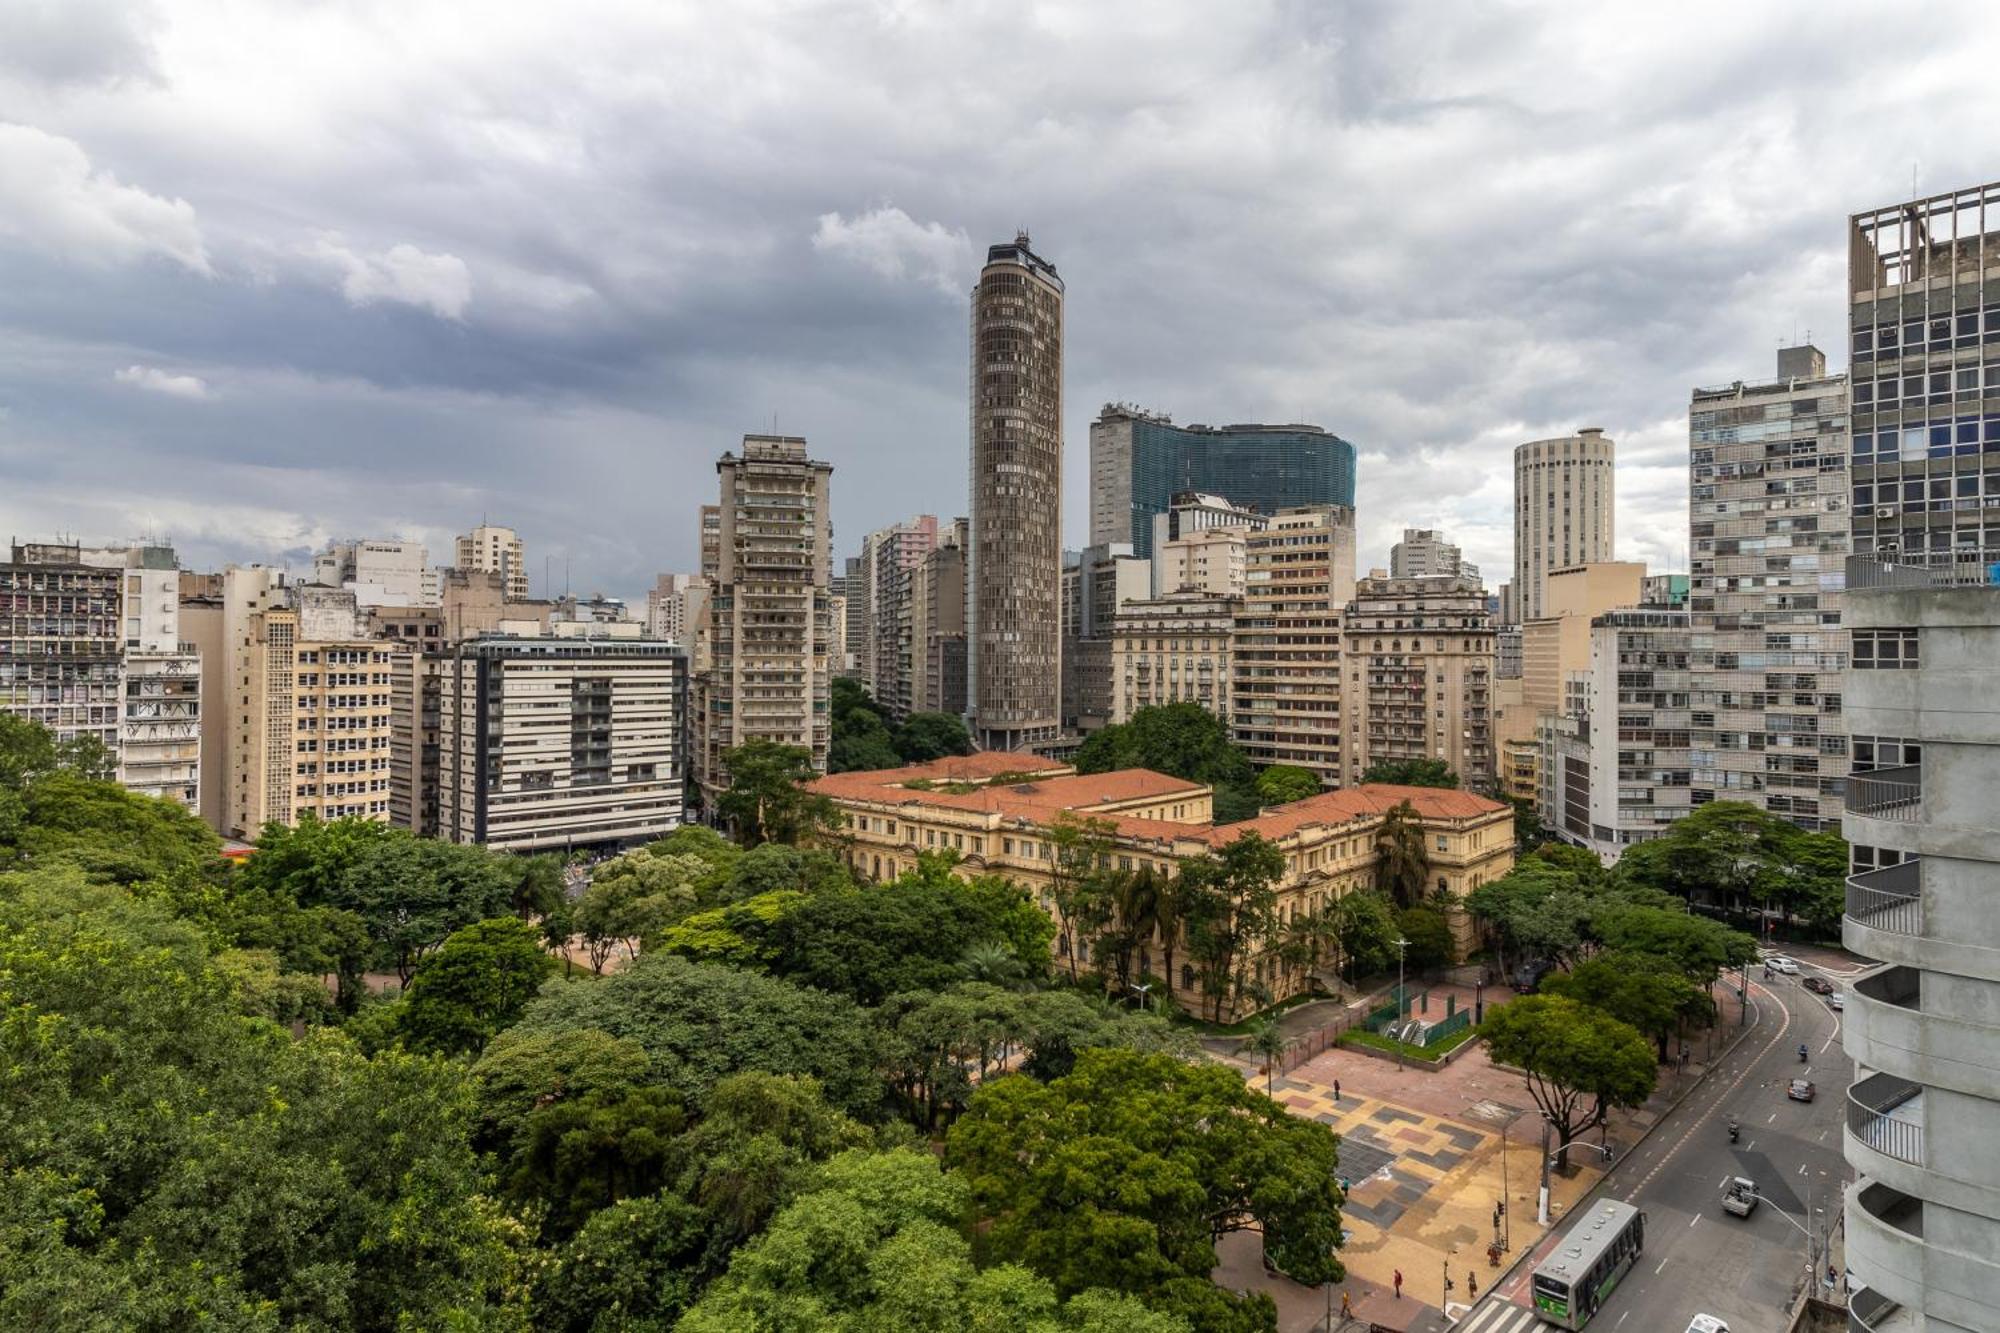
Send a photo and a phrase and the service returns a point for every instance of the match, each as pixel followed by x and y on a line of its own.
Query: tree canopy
pixel 1578 1061
pixel 1411 773
pixel 766 801
pixel 1283 783
pixel 866 737
pixel 1183 740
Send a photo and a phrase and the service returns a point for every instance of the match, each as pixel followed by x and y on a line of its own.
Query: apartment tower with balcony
pixel 1768 536
pixel 1563 516
pixel 770 629
pixel 1285 687
pixel 1014 560
pixel 1420 666
pixel 1922 1216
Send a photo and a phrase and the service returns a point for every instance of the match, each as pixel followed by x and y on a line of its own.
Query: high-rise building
pixel 1615 763
pixel 1173 649
pixel 90 645
pixel 1563 491
pixel 1285 682
pixel 1420 672
pixel 667 606
pixel 938 603
pixel 711 541
pixel 380 573
pixel 568 740
pixel 497 550
pixel 889 558
pixel 1424 553
pixel 1768 535
pixel 1922 1215
pixel 852 585
pixel 1014 562
pixel 1924 318
pixel 1139 461
pixel 1101 580
pixel 1190 512
pixel 769 612
pixel 314 730
pixel 1554 647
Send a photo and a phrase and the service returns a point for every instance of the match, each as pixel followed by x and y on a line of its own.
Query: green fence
pixel 1458 1022
pixel 1391 1015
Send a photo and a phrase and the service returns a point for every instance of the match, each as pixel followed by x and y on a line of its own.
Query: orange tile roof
pixel 981 766
pixel 1039 799
pixel 1354 803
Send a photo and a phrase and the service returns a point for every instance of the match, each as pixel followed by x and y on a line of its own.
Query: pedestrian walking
pixel 1336 1089
pixel 1346 1306
pixel 1471 1286
pixel 1399 1284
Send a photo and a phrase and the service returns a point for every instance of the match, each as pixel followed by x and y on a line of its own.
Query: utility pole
pixel 1402 996
pixel 1542 1208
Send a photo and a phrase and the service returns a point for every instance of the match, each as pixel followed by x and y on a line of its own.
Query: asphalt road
pixel 1699 1259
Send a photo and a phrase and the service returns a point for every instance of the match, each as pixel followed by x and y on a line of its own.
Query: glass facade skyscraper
pixel 1140 461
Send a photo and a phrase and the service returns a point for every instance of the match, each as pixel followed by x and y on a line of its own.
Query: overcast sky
pixel 276 271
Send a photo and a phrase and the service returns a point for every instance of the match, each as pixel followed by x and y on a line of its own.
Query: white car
pixel 1706 1323
pixel 1777 962
pixel 1836 1001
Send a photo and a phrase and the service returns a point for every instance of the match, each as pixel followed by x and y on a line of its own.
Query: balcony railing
pixel 1893 1208
pixel 1887 793
pixel 1871 1107
pixel 1888 899
pixel 1869 1311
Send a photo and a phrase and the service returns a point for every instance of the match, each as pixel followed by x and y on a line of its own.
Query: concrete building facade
pixel 1139 461
pixel 1768 513
pixel 1014 560
pixel 1285 686
pixel 1922 1216
pixel 1173 649
pixel 1424 553
pixel 570 740
pixel 1419 657
pixel 1615 763
pixel 770 612
pixel 390 572
pixel 1102 579
pixel 1563 511
pixel 889 560
pixel 937 602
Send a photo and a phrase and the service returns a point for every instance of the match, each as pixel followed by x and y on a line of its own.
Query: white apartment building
pixel 1563 511
pixel 568 740
pixel 1285 686
pixel 379 572
pixel 1424 553
pixel 1172 649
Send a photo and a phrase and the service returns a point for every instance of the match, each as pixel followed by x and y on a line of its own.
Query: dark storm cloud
pixel 278 273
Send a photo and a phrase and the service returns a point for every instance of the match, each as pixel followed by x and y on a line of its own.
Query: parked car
pixel 1801 1090
pixel 1777 962
pixel 1817 985
pixel 1740 1197
pixel 1835 1000
pixel 1707 1323
pixel 1529 974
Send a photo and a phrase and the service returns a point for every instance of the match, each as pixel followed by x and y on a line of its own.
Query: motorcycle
pixel 1735 1131
pixel 1802 1053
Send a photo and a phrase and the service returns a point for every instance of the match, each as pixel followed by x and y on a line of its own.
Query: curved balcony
pixel 1869 1311
pixel 1887 793
pixel 1888 901
pixel 1885 1114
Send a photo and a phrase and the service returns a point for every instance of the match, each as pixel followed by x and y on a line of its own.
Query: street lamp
pixel 1542 1208
pixel 1402 996
pixel 1142 992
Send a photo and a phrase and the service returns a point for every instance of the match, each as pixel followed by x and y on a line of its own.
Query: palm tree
pixel 1135 897
pixel 995 963
pixel 1401 866
pixel 1267 1038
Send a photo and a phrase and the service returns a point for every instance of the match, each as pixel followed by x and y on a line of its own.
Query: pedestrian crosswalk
pixel 1497 1316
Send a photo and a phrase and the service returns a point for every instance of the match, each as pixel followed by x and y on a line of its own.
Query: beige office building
pixel 1424 553
pixel 770 629
pixel 1285 684
pixel 1563 491
pixel 497 550
pixel 1014 562
pixel 1420 675
pixel 1554 647
pixel 1210 560
pixel 1173 649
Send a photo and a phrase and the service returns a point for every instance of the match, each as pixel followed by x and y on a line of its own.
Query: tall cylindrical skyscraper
pixel 1562 510
pixel 1014 566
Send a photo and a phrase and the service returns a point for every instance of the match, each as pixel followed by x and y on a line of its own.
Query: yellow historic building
pixel 996 810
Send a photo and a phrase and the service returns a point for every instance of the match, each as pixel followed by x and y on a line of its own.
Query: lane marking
pixel 1656 1271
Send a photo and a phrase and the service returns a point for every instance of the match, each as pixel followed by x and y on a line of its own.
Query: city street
pixel 1697 1258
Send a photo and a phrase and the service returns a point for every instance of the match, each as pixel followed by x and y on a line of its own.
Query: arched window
pixel 1187 976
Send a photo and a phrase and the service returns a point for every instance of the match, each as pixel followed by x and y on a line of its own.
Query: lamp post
pixel 1542 1211
pixel 1142 993
pixel 1402 995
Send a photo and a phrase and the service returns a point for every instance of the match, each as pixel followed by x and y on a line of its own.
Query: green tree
pixel 1429 934
pixel 1079 881
pixel 477 982
pixel 1282 783
pixel 1411 773
pixel 1364 925
pixel 862 743
pixel 876 1246
pixel 1183 740
pixel 410 893
pixel 1528 831
pixel 1126 1172
pixel 767 800
pixel 1267 1038
pixel 1229 913
pixel 116 836
pixel 1640 989
pixel 1697 947
pixel 1402 863
pixel 633 897
pixel 1578 1061
pixel 699 1023
pixel 775 867
pixel 923 737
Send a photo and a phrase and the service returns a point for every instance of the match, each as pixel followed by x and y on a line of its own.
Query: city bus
pixel 1572 1284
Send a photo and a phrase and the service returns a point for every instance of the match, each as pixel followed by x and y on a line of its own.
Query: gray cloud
pixel 546 270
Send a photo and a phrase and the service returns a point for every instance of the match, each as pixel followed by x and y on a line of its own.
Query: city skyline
pixel 248 339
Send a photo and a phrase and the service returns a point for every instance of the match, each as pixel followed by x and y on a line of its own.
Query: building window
pixel 1444 843
pixel 1885 650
